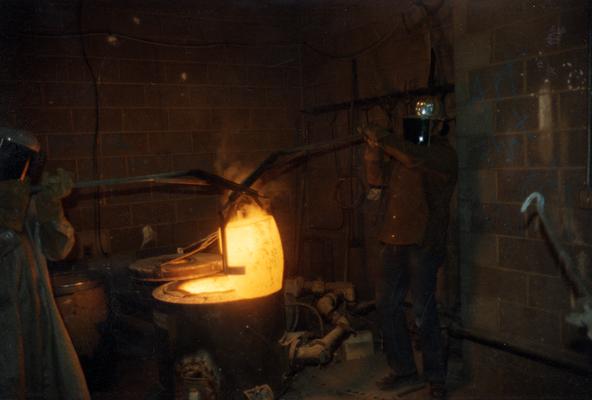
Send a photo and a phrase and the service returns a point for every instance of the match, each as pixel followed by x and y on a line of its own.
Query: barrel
pixel 82 301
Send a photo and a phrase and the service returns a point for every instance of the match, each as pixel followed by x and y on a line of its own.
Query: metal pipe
pixel 371 101
pixel 463 333
pixel 195 177
pixel 583 286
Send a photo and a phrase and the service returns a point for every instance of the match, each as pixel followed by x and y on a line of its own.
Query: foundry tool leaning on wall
pixel 422 171
pixel 37 359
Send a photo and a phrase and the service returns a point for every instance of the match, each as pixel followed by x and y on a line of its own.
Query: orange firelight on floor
pixel 253 242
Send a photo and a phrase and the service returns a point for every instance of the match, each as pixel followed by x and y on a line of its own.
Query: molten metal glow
pixel 252 241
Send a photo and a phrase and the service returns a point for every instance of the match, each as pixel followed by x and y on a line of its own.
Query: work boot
pixel 437 391
pixel 393 381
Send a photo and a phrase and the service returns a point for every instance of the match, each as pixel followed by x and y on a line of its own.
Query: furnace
pixel 219 334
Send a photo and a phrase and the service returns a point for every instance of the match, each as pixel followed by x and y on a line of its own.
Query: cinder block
pixel 127 194
pixel 493 283
pixel 503 219
pixel 115 216
pixel 475 119
pixel 572 181
pixel 190 120
pixel 45 120
pixel 576 226
pixel 126 239
pixel 481 313
pixel 170 142
pixel 186 73
pixel 194 161
pixel 498 81
pixel 144 119
pixel 112 95
pixel 531 324
pixel 136 23
pixel 230 119
pixel 573 27
pixel 113 167
pixel 267 77
pixel 185 233
pixel 517 115
pixel 175 25
pixel 141 71
pixel 557 148
pixel 70 146
pixel 516 185
pixel 228 75
pixel 190 210
pixel 491 152
pixel 206 142
pixel 513 41
pixel 200 96
pixel 549 293
pixel 478 186
pixel 145 165
pixel 472 51
pixel 572 145
pixel 271 119
pixel 68 94
pixel 84 169
pixel 527 255
pixel 281 140
pixel 110 120
pixel 572 106
pixel 124 144
pixel 36 69
pixel 153 213
pixel 214 55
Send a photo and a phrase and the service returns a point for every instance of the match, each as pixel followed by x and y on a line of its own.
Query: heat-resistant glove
pixel 53 189
pixel 14 200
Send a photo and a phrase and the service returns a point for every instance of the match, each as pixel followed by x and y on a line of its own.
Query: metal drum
pixel 82 301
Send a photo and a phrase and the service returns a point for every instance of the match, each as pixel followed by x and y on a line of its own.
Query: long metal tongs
pixel 581 314
pixel 193 177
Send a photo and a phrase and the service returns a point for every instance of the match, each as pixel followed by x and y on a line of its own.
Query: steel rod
pixel 194 177
pixel 558 362
pixel 370 101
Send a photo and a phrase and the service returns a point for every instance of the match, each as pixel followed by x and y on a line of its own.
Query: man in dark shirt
pixel 418 192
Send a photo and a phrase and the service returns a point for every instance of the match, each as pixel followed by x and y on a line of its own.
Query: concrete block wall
pixel 221 107
pixel 390 45
pixel 520 78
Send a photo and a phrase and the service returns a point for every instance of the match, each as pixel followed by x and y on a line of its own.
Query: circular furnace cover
pixel 156 269
pixel 65 283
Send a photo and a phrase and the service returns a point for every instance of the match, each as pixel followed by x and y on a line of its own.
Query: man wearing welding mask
pixel 420 179
pixel 37 358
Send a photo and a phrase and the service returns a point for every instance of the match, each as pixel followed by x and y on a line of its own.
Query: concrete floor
pixel 486 374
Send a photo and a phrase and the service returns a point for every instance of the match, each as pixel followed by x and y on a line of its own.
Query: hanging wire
pixel 160 43
pixel 96 135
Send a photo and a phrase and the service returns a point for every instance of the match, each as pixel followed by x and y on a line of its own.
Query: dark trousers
pixel 404 269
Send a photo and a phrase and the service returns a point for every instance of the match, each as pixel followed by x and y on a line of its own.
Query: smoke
pixel 236 163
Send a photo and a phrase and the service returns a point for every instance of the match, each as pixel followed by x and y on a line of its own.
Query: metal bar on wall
pixel 370 101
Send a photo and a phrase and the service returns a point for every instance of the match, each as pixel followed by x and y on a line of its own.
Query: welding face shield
pixel 428 120
pixel 19 150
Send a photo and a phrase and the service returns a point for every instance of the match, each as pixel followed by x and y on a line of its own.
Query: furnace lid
pixel 156 269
